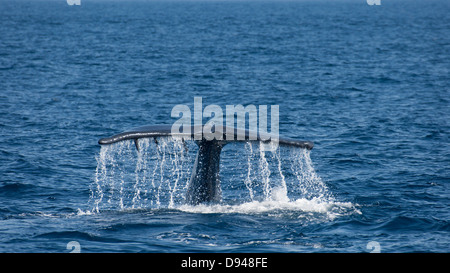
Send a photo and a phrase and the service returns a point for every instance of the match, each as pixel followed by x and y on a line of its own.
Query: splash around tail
pixel 204 185
pixel 158 177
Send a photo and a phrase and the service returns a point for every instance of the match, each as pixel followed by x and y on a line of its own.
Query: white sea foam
pixel 329 209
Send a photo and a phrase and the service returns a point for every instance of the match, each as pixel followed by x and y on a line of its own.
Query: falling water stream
pixel 252 180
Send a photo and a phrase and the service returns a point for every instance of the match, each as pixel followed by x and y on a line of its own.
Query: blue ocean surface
pixel 368 84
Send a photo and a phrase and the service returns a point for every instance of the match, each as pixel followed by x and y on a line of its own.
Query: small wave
pixel 34 214
pixel 15 187
pixel 81 212
pixel 39 214
pixel 408 224
pixel 77 235
pixel 66 234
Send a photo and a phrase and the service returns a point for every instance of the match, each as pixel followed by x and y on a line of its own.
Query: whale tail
pixel 204 185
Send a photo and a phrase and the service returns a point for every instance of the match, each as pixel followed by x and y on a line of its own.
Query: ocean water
pixel 369 85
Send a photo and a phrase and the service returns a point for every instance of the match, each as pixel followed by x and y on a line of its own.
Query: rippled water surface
pixel 369 85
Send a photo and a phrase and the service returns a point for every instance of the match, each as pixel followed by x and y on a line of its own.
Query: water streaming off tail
pixel 284 175
pixel 158 175
pixel 154 177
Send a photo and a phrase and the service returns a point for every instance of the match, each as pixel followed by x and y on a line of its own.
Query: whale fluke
pixel 204 185
pixel 150 131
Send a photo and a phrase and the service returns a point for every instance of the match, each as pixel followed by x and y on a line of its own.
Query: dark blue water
pixel 369 85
